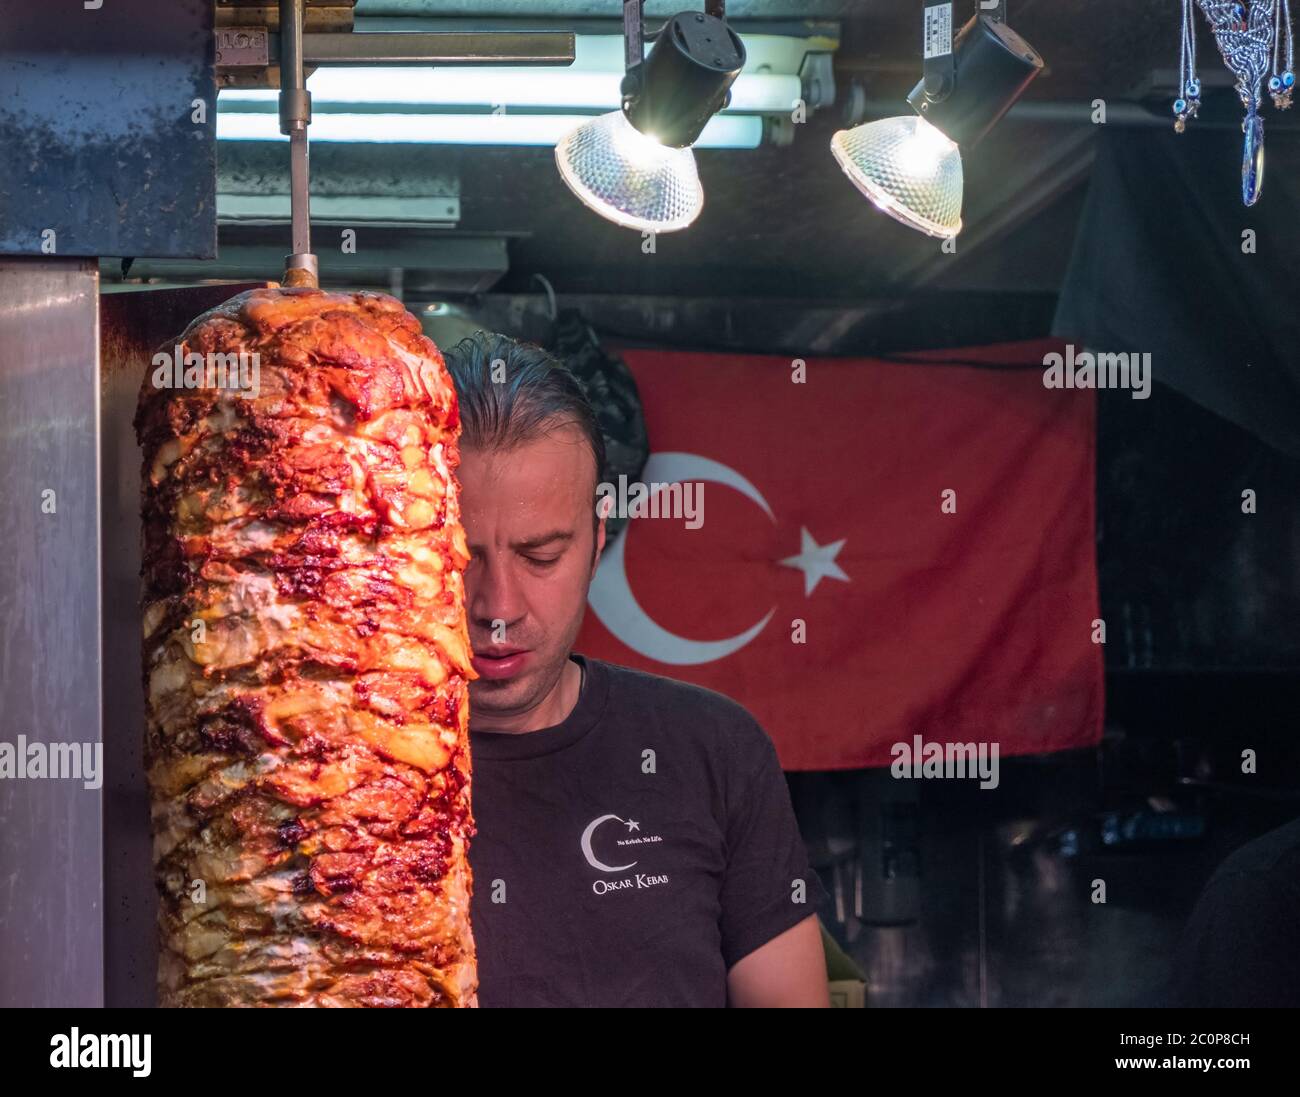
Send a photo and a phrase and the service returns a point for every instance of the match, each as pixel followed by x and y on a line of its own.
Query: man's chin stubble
pixel 495 698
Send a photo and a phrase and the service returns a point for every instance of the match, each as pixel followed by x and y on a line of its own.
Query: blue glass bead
pixel 1194 89
pixel 1180 105
pixel 1275 83
pixel 1288 78
pixel 1252 159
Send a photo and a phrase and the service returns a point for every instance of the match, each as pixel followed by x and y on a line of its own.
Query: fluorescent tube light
pixel 722 132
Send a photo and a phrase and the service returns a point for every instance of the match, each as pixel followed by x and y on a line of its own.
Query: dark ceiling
pixel 783 222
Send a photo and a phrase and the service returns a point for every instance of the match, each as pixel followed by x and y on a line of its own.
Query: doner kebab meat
pixel 306 663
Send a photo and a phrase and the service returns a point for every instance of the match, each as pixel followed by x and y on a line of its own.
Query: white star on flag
pixel 817 562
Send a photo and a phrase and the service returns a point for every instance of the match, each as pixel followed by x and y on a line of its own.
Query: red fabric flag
pixel 824 504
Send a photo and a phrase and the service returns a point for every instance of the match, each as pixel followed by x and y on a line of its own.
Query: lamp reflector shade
pixel 629 177
pixel 908 169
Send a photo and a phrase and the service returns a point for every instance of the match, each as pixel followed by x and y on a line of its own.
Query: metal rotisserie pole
pixel 301 268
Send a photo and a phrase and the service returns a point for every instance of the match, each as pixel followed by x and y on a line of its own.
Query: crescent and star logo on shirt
pixel 632 837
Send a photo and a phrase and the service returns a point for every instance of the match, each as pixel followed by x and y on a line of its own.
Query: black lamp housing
pixel 687 76
pixel 992 67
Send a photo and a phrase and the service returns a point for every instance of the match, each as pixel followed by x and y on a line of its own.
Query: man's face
pixel 528 517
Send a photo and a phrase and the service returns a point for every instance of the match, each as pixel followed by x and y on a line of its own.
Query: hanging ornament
pixel 1254 38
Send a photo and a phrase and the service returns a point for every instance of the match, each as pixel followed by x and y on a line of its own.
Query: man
pixel 1240 947
pixel 636 844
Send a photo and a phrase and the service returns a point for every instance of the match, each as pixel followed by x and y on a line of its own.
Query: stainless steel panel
pixel 108 122
pixel 51 867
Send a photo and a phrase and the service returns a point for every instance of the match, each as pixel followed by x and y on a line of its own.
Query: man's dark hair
pixel 511 392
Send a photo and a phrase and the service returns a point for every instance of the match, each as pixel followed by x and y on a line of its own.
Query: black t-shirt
pixel 1241 946
pixel 630 855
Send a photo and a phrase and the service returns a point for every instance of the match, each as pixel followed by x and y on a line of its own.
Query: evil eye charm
pixel 1193 89
pixel 1280 88
pixel 1183 110
pixel 1252 159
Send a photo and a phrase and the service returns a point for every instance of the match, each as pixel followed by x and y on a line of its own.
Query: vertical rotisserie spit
pixel 306 659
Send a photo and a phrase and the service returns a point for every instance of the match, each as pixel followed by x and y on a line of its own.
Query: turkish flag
pixel 886 550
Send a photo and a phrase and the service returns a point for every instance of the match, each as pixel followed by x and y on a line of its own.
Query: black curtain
pixel 1158 265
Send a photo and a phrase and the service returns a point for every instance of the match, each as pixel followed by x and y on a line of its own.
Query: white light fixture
pixel 721 132
pixel 509 106
pixel 908 169
pixel 910 166
pixel 635 166
pixel 508 89
pixel 628 177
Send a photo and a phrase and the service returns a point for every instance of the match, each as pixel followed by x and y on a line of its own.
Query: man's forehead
pixel 560 459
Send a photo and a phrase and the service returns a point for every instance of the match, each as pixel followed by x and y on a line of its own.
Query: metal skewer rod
pixel 301 268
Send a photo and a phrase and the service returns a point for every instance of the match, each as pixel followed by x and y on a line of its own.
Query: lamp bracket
pixel 940 64
pixel 634 32
pixel 672 90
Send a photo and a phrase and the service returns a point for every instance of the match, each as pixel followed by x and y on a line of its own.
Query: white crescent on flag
pixel 611 598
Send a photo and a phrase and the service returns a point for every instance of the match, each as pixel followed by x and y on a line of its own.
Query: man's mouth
pixel 499 663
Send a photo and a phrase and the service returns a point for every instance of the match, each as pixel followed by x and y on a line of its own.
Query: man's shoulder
pixel 1274 856
pixel 684 708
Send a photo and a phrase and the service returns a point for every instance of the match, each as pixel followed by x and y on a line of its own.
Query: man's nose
pixel 494 594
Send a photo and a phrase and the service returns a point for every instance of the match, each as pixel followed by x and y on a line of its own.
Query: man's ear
pixel 600 540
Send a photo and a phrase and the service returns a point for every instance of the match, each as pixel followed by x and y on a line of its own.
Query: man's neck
pixel 552 709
